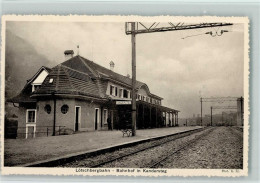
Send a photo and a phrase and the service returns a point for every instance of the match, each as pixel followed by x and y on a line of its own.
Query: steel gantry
pixel 222 100
pixel 134 28
pixel 219 107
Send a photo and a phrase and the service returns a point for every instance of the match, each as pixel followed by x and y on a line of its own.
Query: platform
pixel 19 152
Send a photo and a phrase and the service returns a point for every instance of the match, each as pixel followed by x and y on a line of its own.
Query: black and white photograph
pixel 125 95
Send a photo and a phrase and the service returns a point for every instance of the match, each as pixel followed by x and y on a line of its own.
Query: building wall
pixel 142 91
pixel 118 87
pixel 21 130
pixel 86 116
pixel 21 122
pixel 44 120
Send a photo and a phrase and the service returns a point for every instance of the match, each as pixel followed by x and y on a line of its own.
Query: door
pixel 77 120
pixel 96 118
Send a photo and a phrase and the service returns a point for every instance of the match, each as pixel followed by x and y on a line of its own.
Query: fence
pixel 41 131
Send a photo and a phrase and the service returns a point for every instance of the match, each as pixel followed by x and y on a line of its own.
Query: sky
pixel 179 70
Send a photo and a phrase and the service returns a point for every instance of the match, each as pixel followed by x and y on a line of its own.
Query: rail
pixel 175 136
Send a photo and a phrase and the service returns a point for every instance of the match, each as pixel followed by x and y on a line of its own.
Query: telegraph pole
pixel 201 111
pixel 133 79
pixel 211 114
pixel 242 112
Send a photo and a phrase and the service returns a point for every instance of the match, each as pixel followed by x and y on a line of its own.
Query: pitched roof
pixel 69 81
pixel 109 74
pixel 80 76
pixel 23 96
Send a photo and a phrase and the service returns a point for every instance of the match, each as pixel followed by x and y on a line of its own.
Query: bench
pixel 127 130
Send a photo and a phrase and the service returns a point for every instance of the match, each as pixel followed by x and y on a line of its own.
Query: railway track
pixel 238 132
pixel 158 143
pixel 155 164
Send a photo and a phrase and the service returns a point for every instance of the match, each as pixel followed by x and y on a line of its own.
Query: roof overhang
pixel 69 96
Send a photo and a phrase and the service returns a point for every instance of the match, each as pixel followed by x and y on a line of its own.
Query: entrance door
pixel 96 118
pixel 77 120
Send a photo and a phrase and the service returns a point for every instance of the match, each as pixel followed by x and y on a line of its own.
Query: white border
pixel 137 172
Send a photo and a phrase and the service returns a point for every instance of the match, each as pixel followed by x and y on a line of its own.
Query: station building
pixel 81 95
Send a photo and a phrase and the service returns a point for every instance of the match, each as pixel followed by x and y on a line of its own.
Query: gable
pixel 143 91
pixel 40 78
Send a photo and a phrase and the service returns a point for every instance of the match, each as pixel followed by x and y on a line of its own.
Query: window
pixel 125 93
pixel 35 87
pixel 31 116
pixel 144 98
pixel 128 94
pixel 47 108
pixel 111 90
pixel 139 97
pixel 64 109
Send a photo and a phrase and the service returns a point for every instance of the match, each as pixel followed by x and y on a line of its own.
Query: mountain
pixel 22 61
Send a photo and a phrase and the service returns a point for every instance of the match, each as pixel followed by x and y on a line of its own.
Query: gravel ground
pixel 148 157
pixel 90 161
pixel 221 149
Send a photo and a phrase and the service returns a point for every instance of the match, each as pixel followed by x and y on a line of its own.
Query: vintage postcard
pixel 125 95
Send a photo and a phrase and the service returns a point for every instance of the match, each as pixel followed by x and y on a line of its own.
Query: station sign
pixel 123 102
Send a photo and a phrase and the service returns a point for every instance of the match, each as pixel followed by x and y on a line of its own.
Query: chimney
pixel 68 54
pixel 112 65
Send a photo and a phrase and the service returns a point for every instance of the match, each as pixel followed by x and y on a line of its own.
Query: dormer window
pixel 38 79
pixel 51 80
pixel 35 87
